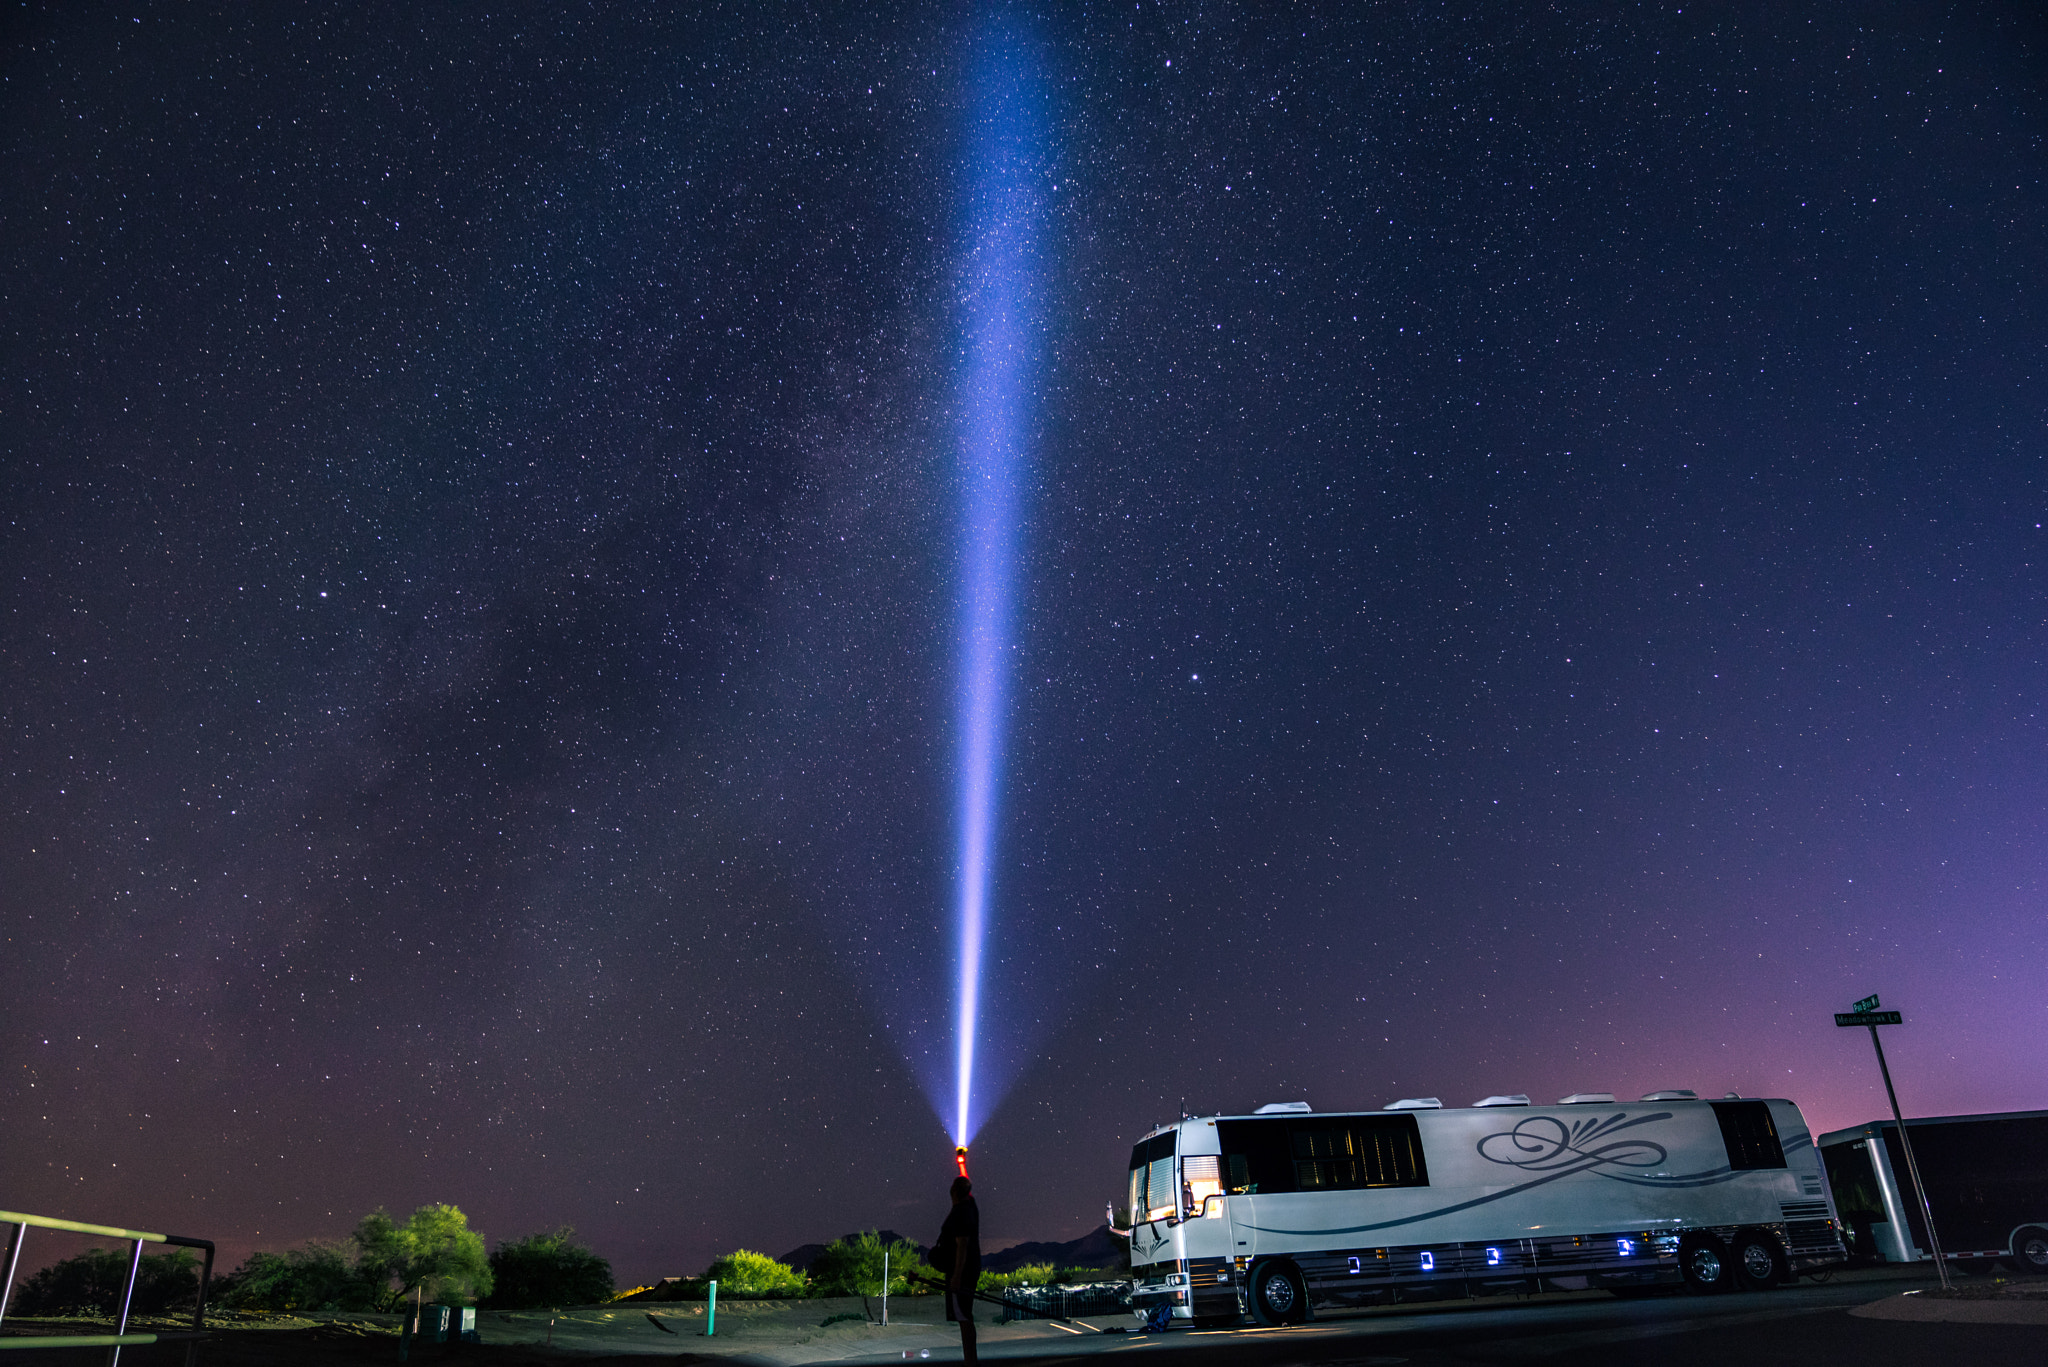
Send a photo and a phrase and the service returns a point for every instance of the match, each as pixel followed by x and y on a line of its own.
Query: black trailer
pixel 1987 1182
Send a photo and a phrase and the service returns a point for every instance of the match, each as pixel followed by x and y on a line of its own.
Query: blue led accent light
pixel 1627 1247
pixel 1429 1262
pixel 1493 1257
pixel 998 356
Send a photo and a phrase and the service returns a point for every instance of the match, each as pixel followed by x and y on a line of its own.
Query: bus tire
pixel 2030 1251
pixel 1759 1263
pixel 1277 1295
pixel 1704 1263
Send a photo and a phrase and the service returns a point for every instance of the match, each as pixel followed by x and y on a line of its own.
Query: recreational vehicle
pixel 1287 1212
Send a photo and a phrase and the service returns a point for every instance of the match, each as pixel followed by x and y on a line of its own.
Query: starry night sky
pixel 1533 580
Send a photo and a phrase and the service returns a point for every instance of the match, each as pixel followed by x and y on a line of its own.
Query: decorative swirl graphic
pixel 1546 1144
pixel 1552 1150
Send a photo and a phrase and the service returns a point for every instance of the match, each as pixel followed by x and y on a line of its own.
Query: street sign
pixel 1869 1018
pixel 1869 1003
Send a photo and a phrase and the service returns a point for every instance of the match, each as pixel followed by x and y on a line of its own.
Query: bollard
pixel 711 1315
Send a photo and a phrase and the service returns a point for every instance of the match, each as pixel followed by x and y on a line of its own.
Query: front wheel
pixel 1759 1265
pixel 1704 1263
pixel 2030 1251
pixel 1277 1295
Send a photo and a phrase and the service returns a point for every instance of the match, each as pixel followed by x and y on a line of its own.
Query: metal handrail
pixel 120 1337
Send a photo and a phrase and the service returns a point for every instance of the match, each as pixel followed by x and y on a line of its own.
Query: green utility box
pixel 433 1324
pixel 447 1324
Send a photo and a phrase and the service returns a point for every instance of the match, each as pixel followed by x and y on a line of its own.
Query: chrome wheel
pixel 1276 1297
pixel 1758 1264
pixel 1703 1263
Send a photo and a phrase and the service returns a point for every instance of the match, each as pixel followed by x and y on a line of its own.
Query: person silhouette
pixel 958 1254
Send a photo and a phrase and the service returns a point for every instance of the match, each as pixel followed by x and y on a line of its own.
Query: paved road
pixel 1804 1326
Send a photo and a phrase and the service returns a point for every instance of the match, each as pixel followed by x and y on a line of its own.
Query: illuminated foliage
pixel 853 1267
pixel 746 1273
pixel 434 1251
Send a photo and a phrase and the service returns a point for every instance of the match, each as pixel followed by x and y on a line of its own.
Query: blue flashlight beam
pixel 998 354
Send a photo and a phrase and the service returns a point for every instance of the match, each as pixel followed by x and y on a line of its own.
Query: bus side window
pixel 1240 1175
pixel 1751 1138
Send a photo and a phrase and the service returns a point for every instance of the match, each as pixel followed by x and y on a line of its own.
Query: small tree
pixel 547 1270
pixel 744 1272
pixel 853 1266
pixel 434 1251
pixel 319 1276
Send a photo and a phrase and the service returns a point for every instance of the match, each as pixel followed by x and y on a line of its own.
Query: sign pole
pixel 1912 1167
pixel 1866 1013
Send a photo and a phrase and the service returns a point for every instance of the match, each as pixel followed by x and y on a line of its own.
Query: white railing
pixel 120 1338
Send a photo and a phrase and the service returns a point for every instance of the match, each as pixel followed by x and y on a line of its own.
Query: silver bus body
pixel 1376 1208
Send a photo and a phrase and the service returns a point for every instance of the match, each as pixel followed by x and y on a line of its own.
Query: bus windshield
pixel 1154 1195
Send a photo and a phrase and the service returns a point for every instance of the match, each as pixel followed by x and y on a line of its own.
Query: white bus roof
pixel 1409 1107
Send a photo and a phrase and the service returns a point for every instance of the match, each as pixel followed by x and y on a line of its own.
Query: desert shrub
pixel 853 1267
pixel 746 1273
pixel 95 1279
pixel 319 1276
pixel 1031 1274
pixel 546 1270
pixel 434 1250
pixel 1044 1274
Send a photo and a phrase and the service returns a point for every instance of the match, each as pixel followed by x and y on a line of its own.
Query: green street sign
pixel 1869 1003
pixel 1869 1018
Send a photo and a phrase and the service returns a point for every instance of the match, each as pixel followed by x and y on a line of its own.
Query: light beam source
pixel 998 336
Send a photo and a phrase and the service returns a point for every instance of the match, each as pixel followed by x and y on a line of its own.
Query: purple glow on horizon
pixel 998 327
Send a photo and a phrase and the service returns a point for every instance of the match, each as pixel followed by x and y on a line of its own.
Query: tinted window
pixel 1255 1156
pixel 1751 1137
pixel 1338 1153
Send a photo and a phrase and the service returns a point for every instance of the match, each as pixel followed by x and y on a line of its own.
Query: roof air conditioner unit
pixel 1518 1099
pixel 1587 1099
pixel 1283 1108
pixel 1675 1094
pixel 1414 1103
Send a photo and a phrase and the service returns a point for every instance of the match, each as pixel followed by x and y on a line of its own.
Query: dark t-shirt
pixel 961 1234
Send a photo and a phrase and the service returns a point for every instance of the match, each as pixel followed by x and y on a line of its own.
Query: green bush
pixel 746 1273
pixel 320 1276
pixel 545 1270
pixel 1031 1274
pixel 96 1278
pixel 1043 1274
pixel 853 1267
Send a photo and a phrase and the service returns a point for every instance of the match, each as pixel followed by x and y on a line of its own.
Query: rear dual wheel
pixel 1759 1263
